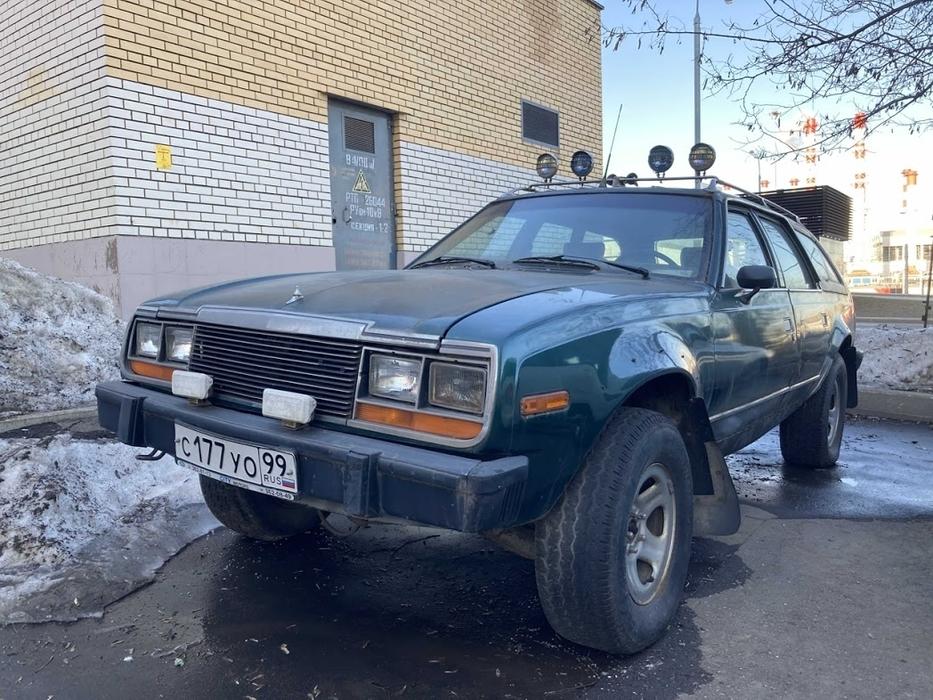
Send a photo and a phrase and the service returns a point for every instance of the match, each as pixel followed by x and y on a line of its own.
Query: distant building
pixel 154 145
pixel 897 254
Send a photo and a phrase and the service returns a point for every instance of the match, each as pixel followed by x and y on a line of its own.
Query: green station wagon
pixel 562 373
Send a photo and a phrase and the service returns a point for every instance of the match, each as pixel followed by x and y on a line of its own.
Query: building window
pixel 892 253
pixel 540 125
pixel 924 251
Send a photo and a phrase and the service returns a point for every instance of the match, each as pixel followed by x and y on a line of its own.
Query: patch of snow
pixel 57 340
pixel 82 523
pixel 896 357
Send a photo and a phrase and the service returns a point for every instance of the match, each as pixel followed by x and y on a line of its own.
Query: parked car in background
pixel 563 372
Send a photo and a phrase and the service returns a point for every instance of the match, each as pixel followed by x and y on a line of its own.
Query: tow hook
pixel 153 456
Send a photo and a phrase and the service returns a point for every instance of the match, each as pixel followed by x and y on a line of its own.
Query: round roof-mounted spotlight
pixel 701 158
pixel 546 166
pixel 660 160
pixel 631 179
pixel 581 163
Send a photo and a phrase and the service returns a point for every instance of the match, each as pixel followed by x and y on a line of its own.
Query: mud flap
pixel 715 503
pixel 717 513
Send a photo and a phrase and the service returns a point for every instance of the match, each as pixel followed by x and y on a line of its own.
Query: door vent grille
pixel 359 135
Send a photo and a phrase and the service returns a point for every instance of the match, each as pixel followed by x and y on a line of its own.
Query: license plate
pixel 272 472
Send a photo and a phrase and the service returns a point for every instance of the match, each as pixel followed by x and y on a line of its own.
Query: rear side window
pixel 742 248
pixel 824 268
pixel 795 274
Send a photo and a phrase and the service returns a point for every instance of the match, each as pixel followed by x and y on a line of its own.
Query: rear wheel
pixel 611 558
pixel 812 435
pixel 256 515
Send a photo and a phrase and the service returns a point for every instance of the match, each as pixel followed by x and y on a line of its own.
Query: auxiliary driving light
pixel 581 163
pixel 660 160
pixel 546 166
pixel 701 158
pixel 294 409
pixel 191 385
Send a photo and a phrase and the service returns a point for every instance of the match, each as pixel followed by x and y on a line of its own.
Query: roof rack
pixel 714 185
pixel 754 196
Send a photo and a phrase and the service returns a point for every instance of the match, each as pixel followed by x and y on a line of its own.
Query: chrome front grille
pixel 243 362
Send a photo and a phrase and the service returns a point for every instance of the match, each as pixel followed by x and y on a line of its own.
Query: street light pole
pixel 696 79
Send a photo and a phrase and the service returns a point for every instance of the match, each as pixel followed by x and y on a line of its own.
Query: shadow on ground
pixel 409 611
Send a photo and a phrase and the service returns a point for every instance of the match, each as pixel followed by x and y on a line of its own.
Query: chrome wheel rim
pixel 650 533
pixel 835 414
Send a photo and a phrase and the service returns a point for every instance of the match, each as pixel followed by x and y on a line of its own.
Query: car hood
pixel 421 303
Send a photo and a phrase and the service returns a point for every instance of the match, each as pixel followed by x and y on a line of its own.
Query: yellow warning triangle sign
pixel 361 184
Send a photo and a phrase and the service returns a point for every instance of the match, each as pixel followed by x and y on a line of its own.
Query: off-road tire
pixel 806 437
pixel 256 515
pixel 581 545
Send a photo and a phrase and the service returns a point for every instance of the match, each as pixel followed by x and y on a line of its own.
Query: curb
pixel 64 415
pixel 894 405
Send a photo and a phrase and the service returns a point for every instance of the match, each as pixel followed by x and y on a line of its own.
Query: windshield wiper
pixel 452 260
pixel 592 263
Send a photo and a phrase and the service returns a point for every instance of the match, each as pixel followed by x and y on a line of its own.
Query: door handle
pixel 825 320
pixel 347 218
pixel 788 325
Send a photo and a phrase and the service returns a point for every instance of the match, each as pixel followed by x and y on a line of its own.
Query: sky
pixel 656 94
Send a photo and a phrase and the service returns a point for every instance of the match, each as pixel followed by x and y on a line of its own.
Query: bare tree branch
pixel 820 58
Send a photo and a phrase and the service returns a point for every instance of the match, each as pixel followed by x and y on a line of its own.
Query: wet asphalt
pixel 408 612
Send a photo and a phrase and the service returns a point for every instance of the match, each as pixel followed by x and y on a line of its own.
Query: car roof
pixel 565 189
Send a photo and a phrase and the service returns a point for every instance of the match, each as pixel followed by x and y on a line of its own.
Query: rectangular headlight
pixel 148 340
pixel 458 387
pixel 396 378
pixel 178 343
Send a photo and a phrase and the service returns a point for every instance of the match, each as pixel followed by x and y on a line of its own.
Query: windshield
pixel 666 234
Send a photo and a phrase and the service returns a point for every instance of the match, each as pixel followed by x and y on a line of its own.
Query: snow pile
pixel 83 523
pixel 896 357
pixel 57 340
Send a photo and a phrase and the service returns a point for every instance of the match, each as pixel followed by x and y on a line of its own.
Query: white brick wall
pixel 238 174
pixel 54 178
pixel 440 189
pixel 77 154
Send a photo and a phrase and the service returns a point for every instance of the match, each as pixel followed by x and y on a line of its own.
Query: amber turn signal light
pixel 421 422
pixel 148 369
pixel 545 403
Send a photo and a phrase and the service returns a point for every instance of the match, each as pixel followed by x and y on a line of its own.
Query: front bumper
pixel 337 471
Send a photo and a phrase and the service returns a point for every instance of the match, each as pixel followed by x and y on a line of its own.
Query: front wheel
pixel 812 435
pixel 611 558
pixel 256 515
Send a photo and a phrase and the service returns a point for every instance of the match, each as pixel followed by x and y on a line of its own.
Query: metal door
pixel 361 187
pixel 757 357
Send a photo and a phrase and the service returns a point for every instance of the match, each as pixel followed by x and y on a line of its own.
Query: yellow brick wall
pixel 453 72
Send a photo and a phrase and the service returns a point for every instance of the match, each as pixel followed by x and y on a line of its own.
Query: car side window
pixel 742 247
pixel 795 273
pixel 824 268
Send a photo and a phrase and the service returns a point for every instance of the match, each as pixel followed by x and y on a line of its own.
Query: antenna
pixel 613 144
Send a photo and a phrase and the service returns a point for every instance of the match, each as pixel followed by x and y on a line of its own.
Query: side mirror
pixel 756 277
pixel 752 279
